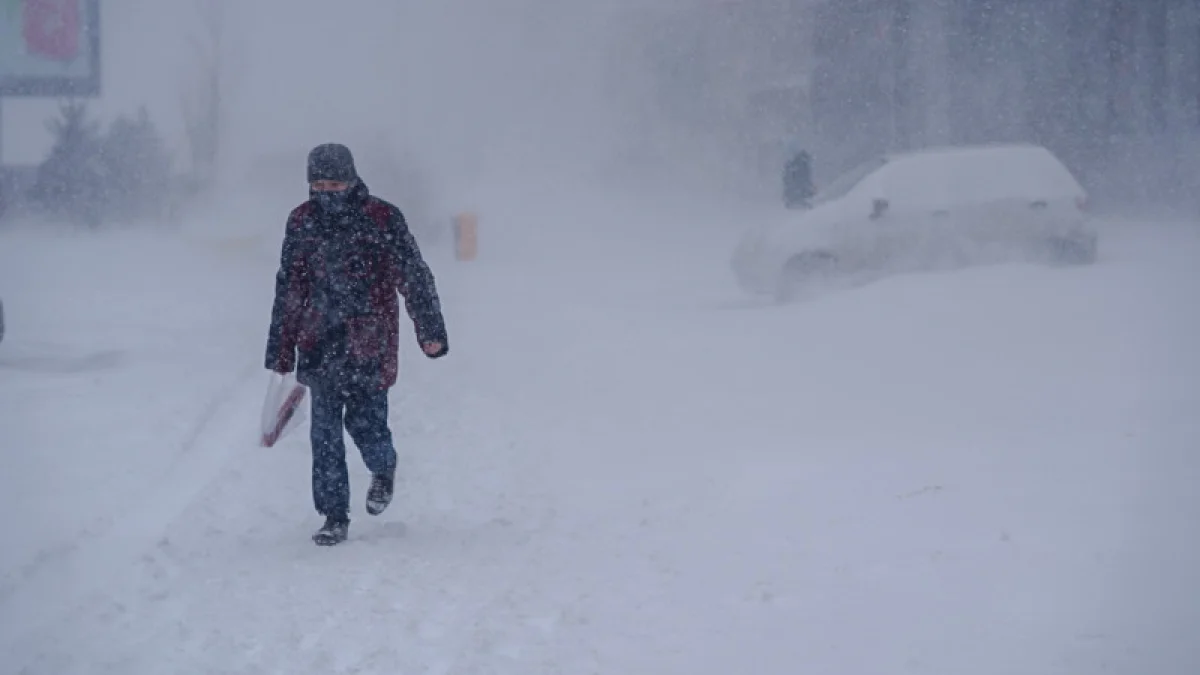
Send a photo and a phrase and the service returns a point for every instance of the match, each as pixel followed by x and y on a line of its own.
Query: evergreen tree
pixel 70 182
pixel 90 176
pixel 136 167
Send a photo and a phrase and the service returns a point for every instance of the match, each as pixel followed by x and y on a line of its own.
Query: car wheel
pixel 802 272
pixel 1073 250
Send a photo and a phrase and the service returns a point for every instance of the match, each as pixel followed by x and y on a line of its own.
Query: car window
pixel 846 182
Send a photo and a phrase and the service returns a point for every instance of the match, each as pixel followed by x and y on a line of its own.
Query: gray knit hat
pixel 331 161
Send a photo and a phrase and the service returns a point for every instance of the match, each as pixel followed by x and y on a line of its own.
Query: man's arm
pixel 418 288
pixel 281 335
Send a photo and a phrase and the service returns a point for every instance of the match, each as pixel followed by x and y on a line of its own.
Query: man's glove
pixel 434 349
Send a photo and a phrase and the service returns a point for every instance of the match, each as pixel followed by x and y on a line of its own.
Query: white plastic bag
pixel 282 411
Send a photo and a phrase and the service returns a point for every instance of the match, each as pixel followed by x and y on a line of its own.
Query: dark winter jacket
pixel 335 295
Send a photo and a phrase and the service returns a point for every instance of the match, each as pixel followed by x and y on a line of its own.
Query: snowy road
pixel 620 468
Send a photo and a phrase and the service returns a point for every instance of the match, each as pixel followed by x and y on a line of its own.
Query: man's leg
pixel 367 422
pixel 330 479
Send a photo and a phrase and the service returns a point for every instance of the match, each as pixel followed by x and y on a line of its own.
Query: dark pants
pixel 366 419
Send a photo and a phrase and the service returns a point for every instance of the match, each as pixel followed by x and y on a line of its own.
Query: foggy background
pixel 704 95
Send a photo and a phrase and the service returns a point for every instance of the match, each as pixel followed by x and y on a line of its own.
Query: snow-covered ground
pixel 621 467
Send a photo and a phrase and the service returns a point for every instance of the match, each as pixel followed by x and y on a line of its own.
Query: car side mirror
pixel 878 208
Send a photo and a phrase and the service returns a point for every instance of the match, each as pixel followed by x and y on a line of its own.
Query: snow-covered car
pixel 939 208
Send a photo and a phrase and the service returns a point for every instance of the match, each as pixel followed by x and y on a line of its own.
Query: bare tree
pixel 203 101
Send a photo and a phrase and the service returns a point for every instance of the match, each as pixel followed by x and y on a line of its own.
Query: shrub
pixel 88 177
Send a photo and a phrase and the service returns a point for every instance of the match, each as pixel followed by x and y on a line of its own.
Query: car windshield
pixel 846 182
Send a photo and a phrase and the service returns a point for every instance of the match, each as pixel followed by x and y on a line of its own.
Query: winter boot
pixel 335 531
pixel 379 495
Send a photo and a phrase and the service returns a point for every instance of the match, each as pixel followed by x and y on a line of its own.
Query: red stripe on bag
pixel 286 411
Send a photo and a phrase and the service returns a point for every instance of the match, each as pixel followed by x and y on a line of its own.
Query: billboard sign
pixel 49 47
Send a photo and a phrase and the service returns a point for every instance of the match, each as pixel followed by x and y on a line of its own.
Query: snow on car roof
pixel 1021 169
pixel 980 148
pixel 942 175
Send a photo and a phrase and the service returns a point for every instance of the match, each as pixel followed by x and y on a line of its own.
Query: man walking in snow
pixel 336 322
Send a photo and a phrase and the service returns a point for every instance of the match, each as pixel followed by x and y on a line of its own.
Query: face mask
pixel 333 202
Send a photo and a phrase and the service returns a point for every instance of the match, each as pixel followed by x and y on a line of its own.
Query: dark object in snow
pixel 798 187
pixel 335 321
pixel 1 321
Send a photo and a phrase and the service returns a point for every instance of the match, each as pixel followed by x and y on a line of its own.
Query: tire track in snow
pixel 62 579
pixel 229 586
pixel 53 554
